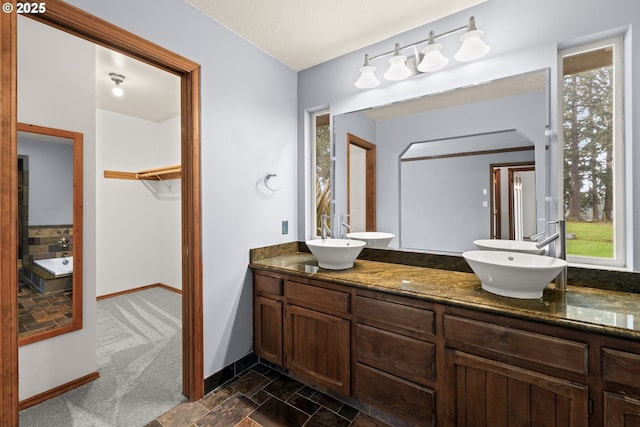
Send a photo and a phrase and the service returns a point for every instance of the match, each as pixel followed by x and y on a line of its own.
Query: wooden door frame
pixel 75 21
pixel 496 204
pixel 512 166
pixel 370 159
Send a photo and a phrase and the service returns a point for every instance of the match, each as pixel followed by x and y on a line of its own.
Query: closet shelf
pixel 158 174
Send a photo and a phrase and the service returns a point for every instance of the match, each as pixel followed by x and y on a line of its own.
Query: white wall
pixel 249 127
pixel 442 201
pixel 138 222
pixel 56 89
pixel 524 35
pixel 357 188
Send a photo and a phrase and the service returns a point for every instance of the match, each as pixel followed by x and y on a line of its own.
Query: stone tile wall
pixel 43 242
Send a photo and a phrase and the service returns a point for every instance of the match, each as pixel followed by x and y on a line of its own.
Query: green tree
pixel 588 150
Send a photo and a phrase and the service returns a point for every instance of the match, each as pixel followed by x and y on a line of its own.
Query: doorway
pixel 79 23
pixel 513 201
pixel 361 183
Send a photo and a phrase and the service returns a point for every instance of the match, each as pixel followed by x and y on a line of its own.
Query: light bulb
pixel 367 78
pixel 472 47
pixel 117 91
pixel 433 58
pixel 398 69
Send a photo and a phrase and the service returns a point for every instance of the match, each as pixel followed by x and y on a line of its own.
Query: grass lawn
pixel 592 239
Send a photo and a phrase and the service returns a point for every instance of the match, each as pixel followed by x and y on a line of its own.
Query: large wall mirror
pixel 49 248
pixel 453 167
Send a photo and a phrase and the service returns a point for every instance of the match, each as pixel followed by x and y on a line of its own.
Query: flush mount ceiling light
pixel 431 59
pixel 117 79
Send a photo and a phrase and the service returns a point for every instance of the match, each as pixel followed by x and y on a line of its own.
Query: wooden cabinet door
pixel 267 329
pixel 317 348
pixel 493 394
pixel 621 411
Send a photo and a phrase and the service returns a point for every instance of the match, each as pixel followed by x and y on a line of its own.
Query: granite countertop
pixel 594 310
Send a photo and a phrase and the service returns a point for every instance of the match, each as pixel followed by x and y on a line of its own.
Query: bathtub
pixel 57 266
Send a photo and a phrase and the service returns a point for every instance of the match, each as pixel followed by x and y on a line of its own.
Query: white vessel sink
pixel 373 239
pixel 514 274
pixel 335 254
pixel 508 245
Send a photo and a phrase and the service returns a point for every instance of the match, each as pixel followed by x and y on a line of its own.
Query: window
pixel 321 167
pixel 593 178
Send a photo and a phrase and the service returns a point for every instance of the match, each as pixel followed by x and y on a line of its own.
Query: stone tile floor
pixel 41 312
pixel 262 397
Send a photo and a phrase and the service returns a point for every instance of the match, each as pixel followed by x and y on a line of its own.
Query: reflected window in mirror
pixel 593 179
pixel 49 232
pixel 321 169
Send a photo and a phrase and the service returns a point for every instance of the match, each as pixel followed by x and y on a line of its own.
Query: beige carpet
pixel 140 363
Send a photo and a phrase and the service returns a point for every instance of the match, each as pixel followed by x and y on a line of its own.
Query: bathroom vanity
pixel 431 347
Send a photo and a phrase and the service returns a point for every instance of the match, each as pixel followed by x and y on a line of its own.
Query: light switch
pixel 485 204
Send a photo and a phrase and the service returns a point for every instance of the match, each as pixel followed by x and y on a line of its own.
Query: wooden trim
pixel 170 172
pixel 73 20
pixel 119 175
pixel 139 288
pixel 76 304
pixel 57 391
pixel 471 153
pixel 496 204
pixel 8 220
pixel 157 174
pixel 370 159
pixel 192 312
pixel 77 22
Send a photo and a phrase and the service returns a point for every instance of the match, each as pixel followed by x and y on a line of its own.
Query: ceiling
pixel 298 33
pixel 149 93
pixel 304 33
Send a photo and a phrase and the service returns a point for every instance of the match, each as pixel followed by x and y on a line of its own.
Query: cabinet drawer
pixel 403 319
pixel 395 395
pixel 529 346
pixel 267 285
pixel 395 354
pixel 318 298
pixel 621 367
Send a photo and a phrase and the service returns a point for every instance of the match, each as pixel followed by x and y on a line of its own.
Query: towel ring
pixel 266 179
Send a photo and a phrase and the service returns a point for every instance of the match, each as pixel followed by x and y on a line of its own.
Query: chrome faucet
pixel 345 226
pixel 325 230
pixel 537 236
pixel 560 237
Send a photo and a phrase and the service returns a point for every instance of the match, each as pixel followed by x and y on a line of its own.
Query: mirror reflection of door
pixel 513 201
pixel 361 184
pixel 49 232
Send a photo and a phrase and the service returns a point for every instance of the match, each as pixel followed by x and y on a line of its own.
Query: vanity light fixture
pixel 368 77
pixel 117 79
pixel 398 69
pixel 472 45
pixel 431 59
